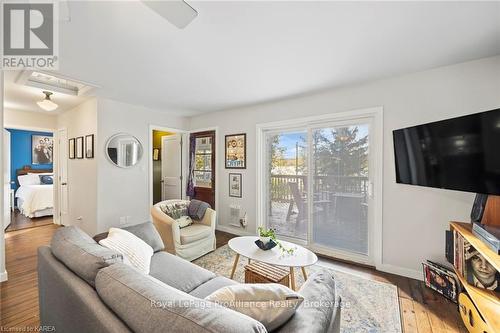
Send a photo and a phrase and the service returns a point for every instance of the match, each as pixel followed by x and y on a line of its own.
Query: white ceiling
pixel 24 98
pixel 241 53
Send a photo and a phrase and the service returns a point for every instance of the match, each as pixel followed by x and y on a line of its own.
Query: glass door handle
pixel 370 189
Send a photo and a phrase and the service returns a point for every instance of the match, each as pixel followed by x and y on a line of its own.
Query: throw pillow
pixel 184 221
pixel 30 179
pixel 136 252
pixel 148 233
pixel 46 179
pixel 176 209
pixel 270 303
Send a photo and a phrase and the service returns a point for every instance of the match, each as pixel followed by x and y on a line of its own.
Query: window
pixel 203 162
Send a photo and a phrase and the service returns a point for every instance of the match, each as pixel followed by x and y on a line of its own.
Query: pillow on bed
pixel 46 179
pixel 30 179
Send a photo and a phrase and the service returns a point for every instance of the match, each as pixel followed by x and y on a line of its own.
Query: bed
pixel 34 199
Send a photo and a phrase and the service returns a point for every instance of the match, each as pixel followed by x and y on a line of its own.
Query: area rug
pixel 367 305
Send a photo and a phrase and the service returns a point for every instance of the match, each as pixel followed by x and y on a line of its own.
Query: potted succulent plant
pixel 266 236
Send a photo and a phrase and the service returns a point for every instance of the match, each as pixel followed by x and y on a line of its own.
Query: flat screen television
pixel 458 154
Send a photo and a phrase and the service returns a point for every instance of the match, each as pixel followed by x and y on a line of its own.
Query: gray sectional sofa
pixel 84 287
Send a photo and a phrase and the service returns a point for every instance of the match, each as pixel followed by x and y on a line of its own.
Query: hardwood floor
pixel 18 221
pixel 19 295
pixel 422 310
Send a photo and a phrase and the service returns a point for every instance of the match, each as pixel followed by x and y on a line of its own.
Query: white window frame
pixel 374 116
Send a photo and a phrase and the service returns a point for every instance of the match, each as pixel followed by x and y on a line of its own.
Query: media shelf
pixel 487 302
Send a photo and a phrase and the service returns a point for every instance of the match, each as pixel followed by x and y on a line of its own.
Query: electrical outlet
pixel 123 220
pixel 243 220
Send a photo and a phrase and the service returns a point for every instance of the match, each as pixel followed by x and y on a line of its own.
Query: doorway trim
pixel 55 170
pixel 376 113
pixel 150 156
pixel 57 181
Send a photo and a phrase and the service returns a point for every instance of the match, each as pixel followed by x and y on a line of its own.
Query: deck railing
pixel 280 188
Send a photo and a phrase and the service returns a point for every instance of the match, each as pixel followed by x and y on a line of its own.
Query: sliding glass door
pixel 286 172
pixel 340 175
pixel 318 186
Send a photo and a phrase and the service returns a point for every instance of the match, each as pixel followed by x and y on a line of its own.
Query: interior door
pixel 6 179
pixel 204 166
pixel 171 167
pixel 63 176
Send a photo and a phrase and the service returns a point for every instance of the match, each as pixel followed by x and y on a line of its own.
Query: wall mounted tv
pixel 458 154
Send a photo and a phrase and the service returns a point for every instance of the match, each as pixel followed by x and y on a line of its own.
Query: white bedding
pixel 35 198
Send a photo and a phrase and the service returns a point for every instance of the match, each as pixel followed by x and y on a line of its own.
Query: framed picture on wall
pixel 235 185
pixel 71 146
pixel 89 146
pixel 156 154
pixel 236 151
pixel 79 147
pixel 42 149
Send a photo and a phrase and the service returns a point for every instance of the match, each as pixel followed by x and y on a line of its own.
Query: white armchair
pixel 190 242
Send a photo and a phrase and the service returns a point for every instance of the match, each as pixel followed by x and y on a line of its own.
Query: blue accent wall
pixel 20 152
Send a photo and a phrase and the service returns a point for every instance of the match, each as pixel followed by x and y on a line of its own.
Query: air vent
pixel 234 215
pixel 57 83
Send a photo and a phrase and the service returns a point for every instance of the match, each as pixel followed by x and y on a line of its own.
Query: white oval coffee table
pixel 246 247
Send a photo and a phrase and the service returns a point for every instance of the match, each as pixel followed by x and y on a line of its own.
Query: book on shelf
pixel 458 248
pixel 477 271
pixel 441 279
pixel 472 266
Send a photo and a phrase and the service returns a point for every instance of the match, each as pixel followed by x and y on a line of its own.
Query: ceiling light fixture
pixel 46 103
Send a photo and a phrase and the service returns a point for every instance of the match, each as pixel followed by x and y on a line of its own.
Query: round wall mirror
pixel 124 150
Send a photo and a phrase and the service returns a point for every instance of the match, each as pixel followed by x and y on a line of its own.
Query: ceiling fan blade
pixel 177 12
pixel 64 12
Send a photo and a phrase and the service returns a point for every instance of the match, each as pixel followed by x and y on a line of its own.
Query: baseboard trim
pixel 402 271
pixel 3 276
pixel 234 230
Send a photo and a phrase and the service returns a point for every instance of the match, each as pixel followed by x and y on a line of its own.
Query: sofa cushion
pixel 320 309
pixel 148 233
pixel 81 254
pixel 212 285
pixel 177 272
pixel 194 233
pixel 149 306
pixel 270 303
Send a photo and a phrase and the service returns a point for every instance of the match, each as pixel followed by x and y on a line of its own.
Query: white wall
pixel 414 218
pixel 126 192
pixel 82 173
pixel 29 120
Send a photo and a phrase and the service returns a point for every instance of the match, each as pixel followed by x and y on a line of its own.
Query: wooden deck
pixel 422 310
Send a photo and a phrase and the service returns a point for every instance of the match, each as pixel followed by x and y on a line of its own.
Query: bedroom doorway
pixel 28 177
pixel 168 163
